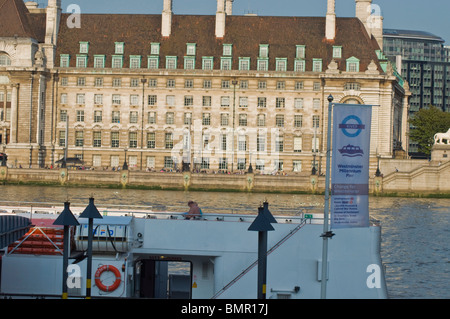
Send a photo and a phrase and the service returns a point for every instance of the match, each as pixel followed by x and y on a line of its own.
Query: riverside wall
pixel 418 178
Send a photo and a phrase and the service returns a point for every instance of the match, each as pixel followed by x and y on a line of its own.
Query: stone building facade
pixel 220 91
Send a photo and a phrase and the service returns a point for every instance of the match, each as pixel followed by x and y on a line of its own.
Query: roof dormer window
pixel 337 52
pixel 119 48
pixel 227 49
pixel 154 48
pixel 263 50
pixel 84 47
pixel 190 48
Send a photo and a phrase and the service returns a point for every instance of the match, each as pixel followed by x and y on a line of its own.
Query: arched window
pixel 4 59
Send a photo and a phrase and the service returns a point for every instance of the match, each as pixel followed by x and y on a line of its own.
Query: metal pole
pixel 262 264
pixel 65 261
pixel 323 290
pixel 89 261
pixel 234 82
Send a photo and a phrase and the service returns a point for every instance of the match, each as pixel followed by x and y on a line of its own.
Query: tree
pixel 425 123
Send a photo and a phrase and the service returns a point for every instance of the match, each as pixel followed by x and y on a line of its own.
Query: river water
pixel 415 232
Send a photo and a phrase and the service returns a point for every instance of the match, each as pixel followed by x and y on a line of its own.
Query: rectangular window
pixel 224 119
pixel 168 162
pixel 261 120
pixel 115 117
pixel 207 63
pixel 117 62
pixel 153 62
pixel 119 47
pixel 98 118
pixel 81 81
pixel 81 61
pixel 279 144
pixel 170 100
pixel 98 82
pixel 132 139
pixel 80 98
pixel 279 120
pixel 225 63
pixel 262 102
pixel 170 83
pixel 64 60
pixel 152 99
pixel 244 64
pixel 207 84
pixel 135 61
pixel 261 143
pixel 280 103
pixel 171 62
pixel 133 117
pixel 188 100
pixel 116 99
pixel 242 119
pixel 170 118
pixel 242 143
pixel 298 120
pixel 299 65
pixel 98 99
pixel 316 121
pixel 206 119
pixel 97 139
pixel 300 52
pixel 115 139
pixel 206 100
pixel 63 115
pixel 62 138
pixel 225 101
pixel 298 141
pixel 317 65
pixel 63 98
pixel 297 165
pixel 134 99
pixel 151 140
pixel 117 82
pixel 99 61
pixel 189 63
pixel 151 118
pixel 223 164
pixel 168 139
pixel 281 64
pixel 337 52
pixel 263 50
pixel 227 49
pixel 187 118
pixel 189 84
pixel 263 65
pixel 190 48
pixel 243 101
pixel 262 85
pixel 79 138
pixel 298 103
pixel 316 104
pixel 154 48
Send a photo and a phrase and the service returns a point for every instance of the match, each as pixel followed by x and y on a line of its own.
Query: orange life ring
pixel 98 282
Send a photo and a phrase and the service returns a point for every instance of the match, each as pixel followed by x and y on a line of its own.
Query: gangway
pixel 278 244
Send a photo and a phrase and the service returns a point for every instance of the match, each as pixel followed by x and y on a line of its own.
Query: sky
pixel 429 15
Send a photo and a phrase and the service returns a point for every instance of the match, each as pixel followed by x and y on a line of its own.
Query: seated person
pixel 194 211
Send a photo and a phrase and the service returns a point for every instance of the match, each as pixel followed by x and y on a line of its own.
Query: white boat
pixel 149 254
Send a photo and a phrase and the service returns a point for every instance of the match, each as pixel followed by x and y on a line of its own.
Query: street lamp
pixel 125 165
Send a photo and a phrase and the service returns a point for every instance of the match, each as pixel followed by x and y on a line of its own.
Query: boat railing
pixel 282 215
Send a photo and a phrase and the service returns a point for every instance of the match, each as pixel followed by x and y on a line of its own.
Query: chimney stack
pixel 229 7
pixel 166 21
pixel 220 19
pixel 370 16
pixel 330 28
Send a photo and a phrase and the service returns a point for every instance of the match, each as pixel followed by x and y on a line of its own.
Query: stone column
pixel 14 112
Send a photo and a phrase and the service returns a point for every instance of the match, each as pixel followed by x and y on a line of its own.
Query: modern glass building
pixel 423 60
